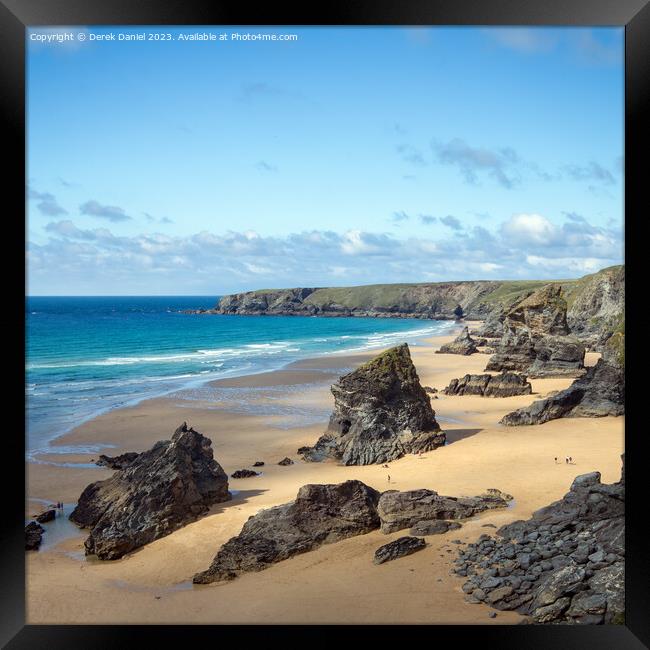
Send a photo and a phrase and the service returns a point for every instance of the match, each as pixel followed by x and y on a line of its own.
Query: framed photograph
pixel 325 321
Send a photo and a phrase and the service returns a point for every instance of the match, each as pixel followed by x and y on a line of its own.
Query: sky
pixel 343 156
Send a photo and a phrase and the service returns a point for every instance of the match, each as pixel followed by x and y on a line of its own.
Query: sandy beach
pixel 269 416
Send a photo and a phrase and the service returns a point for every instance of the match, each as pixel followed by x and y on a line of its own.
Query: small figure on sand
pixel 570 460
pixel 566 460
pixel 389 478
pixel 556 460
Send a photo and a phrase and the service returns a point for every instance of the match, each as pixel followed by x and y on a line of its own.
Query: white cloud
pixel 529 229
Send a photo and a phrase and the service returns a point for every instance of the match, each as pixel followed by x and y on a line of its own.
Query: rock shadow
pixel 454 435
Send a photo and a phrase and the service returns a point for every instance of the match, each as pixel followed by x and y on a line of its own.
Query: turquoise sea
pixel 87 355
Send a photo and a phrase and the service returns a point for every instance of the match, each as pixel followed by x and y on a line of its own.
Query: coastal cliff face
pixel 594 302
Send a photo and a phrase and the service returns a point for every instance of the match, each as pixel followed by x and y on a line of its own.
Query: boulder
pixel 381 413
pixel 600 392
pixel 286 461
pixel 33 536
pixel 164 488
pixel 398 510
pixel 117 462
pixel 462 344
pixel 398 548
pixel 506 384
pixel 244 473
pixel 258 463
pixel 435 527
pixel 320 514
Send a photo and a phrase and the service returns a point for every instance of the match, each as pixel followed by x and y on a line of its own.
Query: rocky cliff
pixel 594 301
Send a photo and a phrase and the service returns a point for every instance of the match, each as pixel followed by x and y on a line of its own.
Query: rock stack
pixel 563 565
pixel 164 488
pixel 381 412
pixel 536 338
pixel 462 344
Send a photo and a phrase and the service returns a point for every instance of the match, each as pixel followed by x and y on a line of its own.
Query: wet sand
pixel 338 582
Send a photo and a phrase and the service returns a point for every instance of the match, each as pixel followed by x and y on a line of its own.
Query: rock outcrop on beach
pixel 398 510
pixel 46 516
pixel 286 461
pixel 320 514
pixel 506 384
pixel 599 392
pixel 33 536
pixel 398 548
pixel 244 473
pixel 563 565
pixel 428 527
pixel 164 488
pixel 536 338
pixel 117 462
pixel 462 344
pixel 381 413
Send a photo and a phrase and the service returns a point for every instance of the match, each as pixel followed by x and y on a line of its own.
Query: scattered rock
pixel 244 473
pixel 429 390
pixel 45 516
pixel 462 344
pixel 33 536
pixel 258 463
pixel 117 462
pixel 563 565
pixel 398 548
pixel 286 461
pixel 166 487
pixel 506 384
pixel 399 510
pixel 320 514
pixel 381 413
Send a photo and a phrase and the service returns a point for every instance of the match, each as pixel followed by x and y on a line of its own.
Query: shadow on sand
pixel 454 435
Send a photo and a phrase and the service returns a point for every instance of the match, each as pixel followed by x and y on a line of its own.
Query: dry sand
pixel 337 583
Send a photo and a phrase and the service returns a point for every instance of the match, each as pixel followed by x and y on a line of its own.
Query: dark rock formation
pixel 398 510
pixel 286 461
pixel 45 516
pixel 33 536
pixel 381 412
pixel 433 527
pixel 563 565
pixel 398 548
pixel 503 385
pixel 536 340
pixel 600 392
pixel 462 344
pixel 244 473
pixel 117 462
pixel 258 463
pixel 320 514
pixel 429 390
pixel 166 487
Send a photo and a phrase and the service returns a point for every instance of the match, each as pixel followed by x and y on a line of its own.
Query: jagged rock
pixel 244 473
pixel 117 462
pixel 462 344
pixel 506 384
pixel 600 392
pixel 563 565
pixel 166 487
pixel 304 450
pixel 381 413
pixel 258 463
pixel 320 514
pixel 429 390
pixel 45 516
pixel 435 527
pixel 536 340
pixel 286 461
pixel 399 510
pixel 398 548
pixel 33 536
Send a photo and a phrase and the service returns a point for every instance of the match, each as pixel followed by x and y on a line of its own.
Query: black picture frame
pixel 634 15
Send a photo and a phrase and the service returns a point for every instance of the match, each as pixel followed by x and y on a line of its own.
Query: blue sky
pixel 348 156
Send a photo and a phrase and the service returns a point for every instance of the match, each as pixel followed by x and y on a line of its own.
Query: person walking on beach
pixel 556 460
pixel 566 460
pixel 389 478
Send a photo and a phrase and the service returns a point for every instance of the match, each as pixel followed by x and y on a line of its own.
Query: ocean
pixel 88 355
